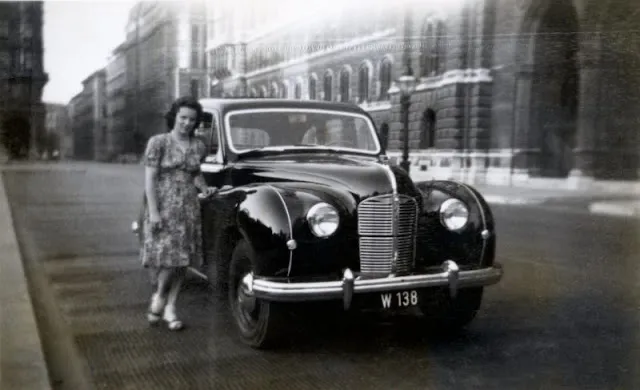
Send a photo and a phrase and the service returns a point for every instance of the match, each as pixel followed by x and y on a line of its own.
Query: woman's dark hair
pixel 185 101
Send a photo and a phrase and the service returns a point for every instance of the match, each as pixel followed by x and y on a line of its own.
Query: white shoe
pixel 155 309
pixel 171 319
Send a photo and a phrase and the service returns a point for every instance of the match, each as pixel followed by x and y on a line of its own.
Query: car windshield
pixel 289 129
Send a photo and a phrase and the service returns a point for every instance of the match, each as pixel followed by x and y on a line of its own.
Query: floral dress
pixel 178 243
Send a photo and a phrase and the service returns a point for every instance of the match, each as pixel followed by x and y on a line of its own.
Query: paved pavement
pixel 22 363
pixel 565 316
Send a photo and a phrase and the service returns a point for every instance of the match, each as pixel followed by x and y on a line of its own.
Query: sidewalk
pixel 593 201
pixel 22 362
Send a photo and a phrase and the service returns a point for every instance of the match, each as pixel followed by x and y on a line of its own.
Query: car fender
pixel 474 245
pixel 263 220
pixel 274 221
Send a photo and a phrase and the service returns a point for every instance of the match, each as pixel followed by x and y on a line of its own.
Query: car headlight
pixel 323 219
pixel 454 215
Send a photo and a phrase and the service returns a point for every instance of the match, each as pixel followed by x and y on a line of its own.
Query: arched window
pixel 385 78
pixel 312 88
pixel 328 81
pixel 363 83
pixel 273 91
pixel 285 90
pixel 344 85
pixel 433 49
pixel 297 91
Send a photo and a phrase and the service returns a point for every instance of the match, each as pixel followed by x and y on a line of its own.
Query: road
pixel 564 317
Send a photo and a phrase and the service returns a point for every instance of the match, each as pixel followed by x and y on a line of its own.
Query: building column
pixel 585 153
pixel 525 151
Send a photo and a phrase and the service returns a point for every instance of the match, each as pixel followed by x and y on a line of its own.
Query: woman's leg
pixel 170 315
pixel 159 298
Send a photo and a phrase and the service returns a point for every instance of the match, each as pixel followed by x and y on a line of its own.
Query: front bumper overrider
pixel 448 275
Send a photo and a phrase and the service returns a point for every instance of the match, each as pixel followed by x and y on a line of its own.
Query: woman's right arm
pixel 150 179
pixel 151 161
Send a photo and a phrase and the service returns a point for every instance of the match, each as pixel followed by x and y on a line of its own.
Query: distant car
pixel 312 210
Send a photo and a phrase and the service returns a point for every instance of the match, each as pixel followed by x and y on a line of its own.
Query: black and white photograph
pixel 320 194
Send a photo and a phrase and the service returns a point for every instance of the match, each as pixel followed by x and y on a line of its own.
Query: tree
pixel 16 135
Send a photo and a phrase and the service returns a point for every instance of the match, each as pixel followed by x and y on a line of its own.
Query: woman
pixel 171 225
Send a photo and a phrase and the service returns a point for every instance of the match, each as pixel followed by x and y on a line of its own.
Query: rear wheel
pixel 259 322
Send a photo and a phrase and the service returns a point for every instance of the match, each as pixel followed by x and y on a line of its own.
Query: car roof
pixel 227 104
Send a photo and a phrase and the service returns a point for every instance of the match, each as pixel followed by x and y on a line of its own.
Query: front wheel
pixel 451 314
pixel 259 322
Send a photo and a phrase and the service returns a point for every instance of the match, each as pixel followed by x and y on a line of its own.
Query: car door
pixel 214 170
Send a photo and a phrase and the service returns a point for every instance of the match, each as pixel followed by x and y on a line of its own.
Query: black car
pixel 310 210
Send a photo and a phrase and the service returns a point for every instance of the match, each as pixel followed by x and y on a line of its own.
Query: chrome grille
pixel 387 230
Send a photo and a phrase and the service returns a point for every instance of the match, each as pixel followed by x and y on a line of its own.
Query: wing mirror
pixel 213 159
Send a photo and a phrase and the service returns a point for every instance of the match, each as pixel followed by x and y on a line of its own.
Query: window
pixel 26 31
pixel 208 132
pixel 5 60
pixel 344 85
pixel 328 81
pixel 428 133
pixel 273 91
pixel 385 78
pixel 298 91
pixel 195 88
pixel 433 49
pixel 195 59
pixel 363 83
pixel 312 88
pixel 284 128
pixel 4 29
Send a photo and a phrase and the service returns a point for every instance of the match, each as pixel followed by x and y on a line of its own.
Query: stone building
pixel 22 76
pixel 89 119
pixel 116 84
pixel 164 59
pixel 522 90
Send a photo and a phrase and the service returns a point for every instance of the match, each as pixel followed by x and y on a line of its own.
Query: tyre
pixel 452 314
pixel 260 323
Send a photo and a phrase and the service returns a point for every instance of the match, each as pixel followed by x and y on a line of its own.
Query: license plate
pixel 399 299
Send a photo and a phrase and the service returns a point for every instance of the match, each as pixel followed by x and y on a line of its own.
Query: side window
pixel 208 132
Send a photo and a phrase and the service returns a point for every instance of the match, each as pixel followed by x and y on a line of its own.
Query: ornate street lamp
pixel 407 85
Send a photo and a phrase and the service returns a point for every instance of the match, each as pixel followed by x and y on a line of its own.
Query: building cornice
pixel 367 39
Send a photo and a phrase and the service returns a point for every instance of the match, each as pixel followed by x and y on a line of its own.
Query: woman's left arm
pixel 199 180
pixel 200 183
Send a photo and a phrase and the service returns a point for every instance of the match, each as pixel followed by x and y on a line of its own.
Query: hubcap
pixel 245 301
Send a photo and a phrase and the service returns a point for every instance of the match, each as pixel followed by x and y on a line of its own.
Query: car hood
pixel 362 176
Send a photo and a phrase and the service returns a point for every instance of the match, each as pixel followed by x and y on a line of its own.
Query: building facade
pixel 22 77
pixel 118 135
pixel 506 90
pixel 164 59
pixel 89 119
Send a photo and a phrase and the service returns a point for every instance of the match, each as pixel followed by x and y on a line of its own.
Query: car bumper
pixel 448 275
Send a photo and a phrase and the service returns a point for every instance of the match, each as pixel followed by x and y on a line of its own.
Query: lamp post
pixel 406 84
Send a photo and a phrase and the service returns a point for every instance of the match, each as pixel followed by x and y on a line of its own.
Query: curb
pixel 22 360
pixel 615 209
pixel 498 199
